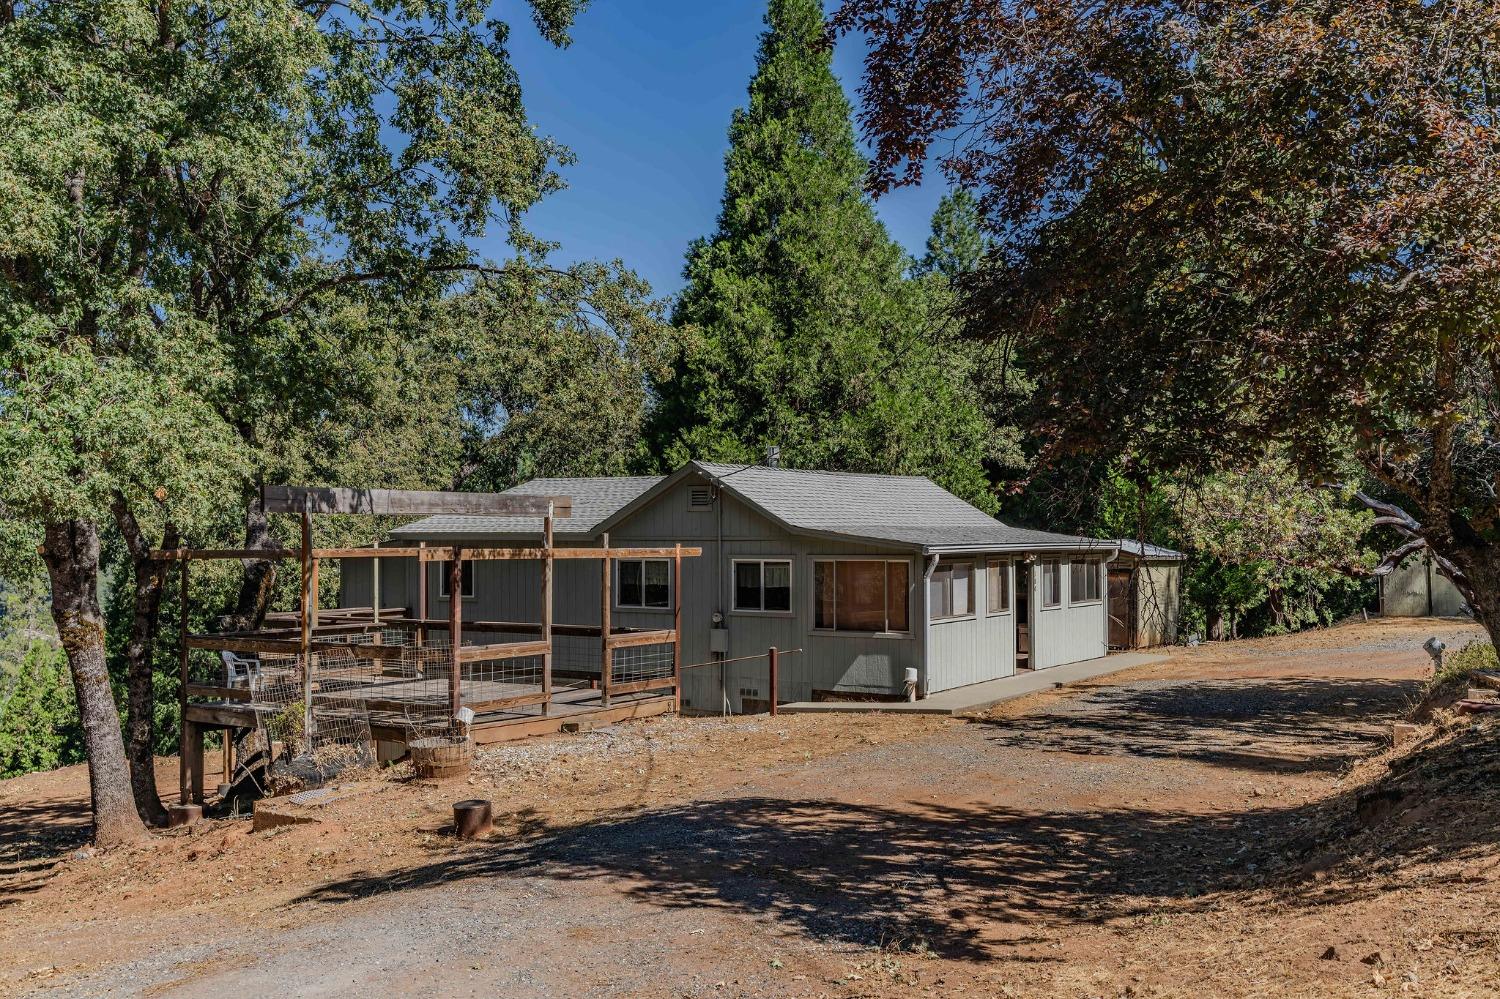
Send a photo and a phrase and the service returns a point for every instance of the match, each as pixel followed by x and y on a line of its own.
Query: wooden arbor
pixel 307 634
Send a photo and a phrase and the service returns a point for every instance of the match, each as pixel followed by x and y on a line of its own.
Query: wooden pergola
pixel 304 634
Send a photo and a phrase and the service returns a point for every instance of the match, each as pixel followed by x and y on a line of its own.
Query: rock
pixel 1331 954
pixel 1379 957
pixel 1403 733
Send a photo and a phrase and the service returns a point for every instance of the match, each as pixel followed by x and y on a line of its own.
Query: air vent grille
pixel 700 498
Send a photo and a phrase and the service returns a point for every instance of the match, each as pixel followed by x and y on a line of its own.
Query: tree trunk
pixel 140 651
pixel 1480 564
pixel 72 557
pixel 260 574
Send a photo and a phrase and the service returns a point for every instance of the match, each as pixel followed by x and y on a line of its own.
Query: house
pixel 1145 595
pixel 1415 588
pixel 868 575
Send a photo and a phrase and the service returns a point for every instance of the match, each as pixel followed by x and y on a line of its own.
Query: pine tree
pixel 957 243
pixel 799 325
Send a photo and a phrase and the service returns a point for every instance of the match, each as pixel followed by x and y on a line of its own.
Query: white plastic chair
pixel 240 670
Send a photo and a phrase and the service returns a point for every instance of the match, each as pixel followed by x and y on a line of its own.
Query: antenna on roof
pixel 773 456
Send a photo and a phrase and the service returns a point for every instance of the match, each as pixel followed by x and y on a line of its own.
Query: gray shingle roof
pixel 594 500
pixel 905 509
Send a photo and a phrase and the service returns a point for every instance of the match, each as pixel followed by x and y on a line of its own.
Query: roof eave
pixel 1000 548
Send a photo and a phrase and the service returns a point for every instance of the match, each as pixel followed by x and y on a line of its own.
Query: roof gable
pixel 905 510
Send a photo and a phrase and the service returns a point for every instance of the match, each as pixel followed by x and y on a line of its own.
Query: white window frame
pixel 442 580
pixel 1098 567
pixel 973 604
pixel 1041 579
pixel 642 606
pixel 812 589
pixel 1003 564
pixel 734 586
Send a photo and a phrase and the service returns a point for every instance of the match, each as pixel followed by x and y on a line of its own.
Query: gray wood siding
pixel 829 661
pixel 1067 634
pixel 973 650
pixel 1158 600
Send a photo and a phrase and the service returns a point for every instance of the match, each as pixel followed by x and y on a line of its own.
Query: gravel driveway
pixel 1087 805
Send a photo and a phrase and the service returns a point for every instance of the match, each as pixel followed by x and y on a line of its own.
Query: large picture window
pixel 1052 583
pixel 952 590
pixel 763 585
pixel 1084 585
pixel 996 586
pixel 643 582
pixel 466 587
pixel 866 595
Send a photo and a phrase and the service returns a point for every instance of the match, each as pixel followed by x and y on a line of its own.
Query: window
pixel 1084 585
pixel 951 590
pixel 996 586
pixel 1052 583
pixel 762 585
pixel 643 582
pixel 867 595
pixel 444 568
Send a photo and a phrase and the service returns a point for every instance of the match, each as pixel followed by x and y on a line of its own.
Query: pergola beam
pixel 409 502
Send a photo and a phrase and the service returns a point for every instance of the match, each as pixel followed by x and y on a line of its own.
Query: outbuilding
pixel 1415 588
pixel 1145 595
pixel 869 576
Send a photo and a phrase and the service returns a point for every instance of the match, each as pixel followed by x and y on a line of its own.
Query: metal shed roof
pixel 1148 551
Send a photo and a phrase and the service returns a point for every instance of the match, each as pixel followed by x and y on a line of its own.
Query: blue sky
pixel 643 98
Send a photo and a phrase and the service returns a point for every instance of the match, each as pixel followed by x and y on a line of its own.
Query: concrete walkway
pixel 978 696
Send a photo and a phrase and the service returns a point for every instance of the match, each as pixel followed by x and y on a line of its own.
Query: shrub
pixel 1472 658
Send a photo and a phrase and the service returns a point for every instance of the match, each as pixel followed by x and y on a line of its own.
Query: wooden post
pixel 308 592
pixel 192 762
pixel 771 657
pixel 606 654
pixel 182 667
pixel 547 613
pixel 677 628
pixel 375 589
pixel 421 598
pixel 455 625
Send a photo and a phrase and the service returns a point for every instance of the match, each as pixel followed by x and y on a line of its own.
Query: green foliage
pixel 958 243
pixel 549 369
pixel 799 326
pixel 1266 554
pixel 39 726
pixel 1459 665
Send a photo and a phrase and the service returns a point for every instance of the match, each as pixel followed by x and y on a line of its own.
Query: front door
pixel 1023 615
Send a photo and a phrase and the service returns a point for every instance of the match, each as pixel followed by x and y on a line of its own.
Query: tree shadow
pixel 877 874
pixel 1285 725
pixel 33 835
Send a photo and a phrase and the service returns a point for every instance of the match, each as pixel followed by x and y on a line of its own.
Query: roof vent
pixel 700 498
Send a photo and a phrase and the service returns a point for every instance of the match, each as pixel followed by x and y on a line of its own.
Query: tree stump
pixel 183 815
pixel 472 819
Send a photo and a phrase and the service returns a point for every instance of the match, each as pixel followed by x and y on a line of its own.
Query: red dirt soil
pixel 1179 829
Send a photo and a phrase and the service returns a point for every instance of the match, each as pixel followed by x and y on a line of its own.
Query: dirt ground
pixel 1179 829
